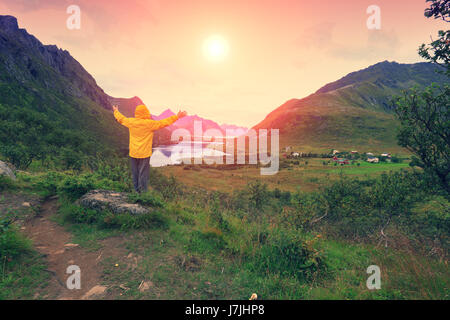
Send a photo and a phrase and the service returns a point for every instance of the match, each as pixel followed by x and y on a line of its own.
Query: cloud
pixel 380 44
pixel 319 36
pixel 34 5
pixel 319 39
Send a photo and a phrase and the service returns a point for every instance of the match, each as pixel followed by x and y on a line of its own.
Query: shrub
pixel 6 183
pixel 210 240
pixel 49 182
pixel 106 219
pixel 12 242
pixel 149 198
pixel 395 159
pixel 288 254
pixel 258 195
pixel 216 215
pixel 76 186
pixel 169 188
pixel 152 220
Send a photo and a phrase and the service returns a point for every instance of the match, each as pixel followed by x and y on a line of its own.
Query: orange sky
pixel 278 49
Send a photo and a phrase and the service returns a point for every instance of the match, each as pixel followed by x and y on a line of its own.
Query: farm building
pixel 341 161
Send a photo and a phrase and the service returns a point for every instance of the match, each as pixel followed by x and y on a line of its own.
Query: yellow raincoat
pixel 141 130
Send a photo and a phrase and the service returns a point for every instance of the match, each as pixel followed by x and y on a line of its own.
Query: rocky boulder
pixel 6 171
pixel 116 202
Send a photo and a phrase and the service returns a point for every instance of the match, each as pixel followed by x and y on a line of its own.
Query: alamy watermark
pixel 74 280
pixel 227 147
pixel 374 20
pixel 73 22
pixel 374 281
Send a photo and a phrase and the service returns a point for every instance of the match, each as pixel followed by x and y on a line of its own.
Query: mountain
pixel 51 108
pixel 235 130
pixel 351 113
pixel 165 114
pixel 127 106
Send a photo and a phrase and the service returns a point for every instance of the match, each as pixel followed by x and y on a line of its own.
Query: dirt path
pixel 56 244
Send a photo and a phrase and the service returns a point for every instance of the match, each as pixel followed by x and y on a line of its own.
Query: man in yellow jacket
pixel 141 138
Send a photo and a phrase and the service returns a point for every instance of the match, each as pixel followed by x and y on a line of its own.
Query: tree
pixel 425 114
pixel 439 9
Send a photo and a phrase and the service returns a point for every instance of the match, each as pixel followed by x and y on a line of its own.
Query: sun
pixel 215 48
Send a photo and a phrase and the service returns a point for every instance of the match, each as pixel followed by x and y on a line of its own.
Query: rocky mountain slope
pixel 353 112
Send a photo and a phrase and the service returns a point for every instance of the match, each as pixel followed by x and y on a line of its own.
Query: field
pixel 224 234
pixel 306 177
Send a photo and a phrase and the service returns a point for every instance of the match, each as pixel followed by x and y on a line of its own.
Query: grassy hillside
pixel 201 244
pixel 352 113
pixel 51 109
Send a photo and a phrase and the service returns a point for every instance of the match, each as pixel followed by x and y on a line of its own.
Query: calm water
pixel 174 154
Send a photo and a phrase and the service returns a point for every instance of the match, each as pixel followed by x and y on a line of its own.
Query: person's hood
pixel 142 112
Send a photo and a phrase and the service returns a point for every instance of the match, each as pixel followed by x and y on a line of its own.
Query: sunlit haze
pixel 228 61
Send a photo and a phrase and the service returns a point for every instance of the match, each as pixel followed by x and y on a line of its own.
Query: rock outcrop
pixel 6 171
pixel 116 202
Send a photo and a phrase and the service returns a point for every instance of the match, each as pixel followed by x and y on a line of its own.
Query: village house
pixel 373 159
pixel 341 161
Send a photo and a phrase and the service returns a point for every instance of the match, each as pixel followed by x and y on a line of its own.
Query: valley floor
pixel 191 258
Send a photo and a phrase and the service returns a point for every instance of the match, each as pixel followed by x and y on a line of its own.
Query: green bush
pixel 288 254
pixel 152 220
pixel 48 183
pixel 169 188
pixel 431 220
pixel 76 186
pixel 257 195
pixel 358 209
pixel 105 219
pixel 6 183
pixel 216 215
pixel 12 242
pixel 149 198
pixel 207 241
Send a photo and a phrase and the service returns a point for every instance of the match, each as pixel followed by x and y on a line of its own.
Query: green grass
pixel 24 278
pixel 204 246
pixel 22 270
pixel 369 168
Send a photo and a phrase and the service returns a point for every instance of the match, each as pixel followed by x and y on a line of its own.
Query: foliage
pixel 356 209
pixel 5 183
pixel 76 214
pixel 288 254
pixel 439 9
pixel 73 186
pixel 12 243
pixel 216 215
pixel 149 198
pixel 169 188
pixel 425 114
pixel 258 195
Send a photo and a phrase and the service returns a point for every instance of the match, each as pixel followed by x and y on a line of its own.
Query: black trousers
pixel 140 169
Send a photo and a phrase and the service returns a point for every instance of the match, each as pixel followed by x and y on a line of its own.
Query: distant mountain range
pixel 163 136
pixel 354 112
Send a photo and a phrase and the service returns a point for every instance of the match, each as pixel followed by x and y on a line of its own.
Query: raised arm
pixel 120 117
pixel 159 124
